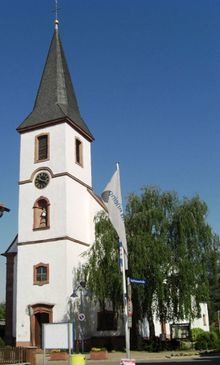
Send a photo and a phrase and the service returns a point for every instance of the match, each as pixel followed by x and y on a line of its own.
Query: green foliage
pixel 214 281
pixel 148 223
pixel 185 345
pixel 101 270
pixel 207 341
pixel 2 310
pixel 171 246
pixel 156 345
pixel 196 332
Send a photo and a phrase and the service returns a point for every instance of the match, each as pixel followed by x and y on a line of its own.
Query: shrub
pixel 152 345
pixel 185 345
pixel 196 332
pixel 207 341
pixel 156 345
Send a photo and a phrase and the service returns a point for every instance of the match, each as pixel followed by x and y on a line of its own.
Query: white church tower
pixel 56 205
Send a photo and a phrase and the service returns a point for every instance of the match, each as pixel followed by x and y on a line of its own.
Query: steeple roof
pixel 56 100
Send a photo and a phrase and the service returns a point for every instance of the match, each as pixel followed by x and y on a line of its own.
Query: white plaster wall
pixel 95 208
pixel 61 153
pixel 62 257
pixel 198 323
pixel 77 211
pixel 83 173
pixel 81 208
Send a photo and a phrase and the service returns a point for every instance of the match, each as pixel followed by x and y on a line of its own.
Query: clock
pixel 41 180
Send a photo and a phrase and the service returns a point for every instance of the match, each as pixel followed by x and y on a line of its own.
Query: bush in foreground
pixel 207 341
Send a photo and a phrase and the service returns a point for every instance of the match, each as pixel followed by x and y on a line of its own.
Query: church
pixel 57 207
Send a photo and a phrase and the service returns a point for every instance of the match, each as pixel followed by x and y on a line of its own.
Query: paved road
pixel 157 360
pixel 208 360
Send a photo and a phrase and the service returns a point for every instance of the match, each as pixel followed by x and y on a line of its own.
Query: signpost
pixel 137 281
pixel 81 317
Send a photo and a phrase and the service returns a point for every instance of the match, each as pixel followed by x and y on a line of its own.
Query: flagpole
pixel 125 300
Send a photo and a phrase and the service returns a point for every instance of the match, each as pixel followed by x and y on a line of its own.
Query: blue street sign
pixel 137 281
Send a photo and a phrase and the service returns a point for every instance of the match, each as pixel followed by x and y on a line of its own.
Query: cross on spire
pixel 56 21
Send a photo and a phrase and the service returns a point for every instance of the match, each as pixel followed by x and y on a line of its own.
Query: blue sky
pixel 146 75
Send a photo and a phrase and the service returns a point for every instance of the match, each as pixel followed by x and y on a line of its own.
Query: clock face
pixel 41 180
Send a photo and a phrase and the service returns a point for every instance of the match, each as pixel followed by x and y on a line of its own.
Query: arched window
pixel 41 214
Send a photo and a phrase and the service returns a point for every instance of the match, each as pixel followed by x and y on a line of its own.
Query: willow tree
pixel 148 218
pixel 101 270
pixel 170 244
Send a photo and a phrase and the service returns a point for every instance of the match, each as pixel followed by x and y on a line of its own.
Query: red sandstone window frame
pixel 38 146
pixel 41 214
pixel 36 279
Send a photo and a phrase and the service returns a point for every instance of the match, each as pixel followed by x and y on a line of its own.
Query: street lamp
pixel 81 315
pixel 3 209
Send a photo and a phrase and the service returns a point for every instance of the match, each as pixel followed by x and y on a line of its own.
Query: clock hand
pixel 40 180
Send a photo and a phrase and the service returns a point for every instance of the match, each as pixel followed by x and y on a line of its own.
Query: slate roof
pixel 56 99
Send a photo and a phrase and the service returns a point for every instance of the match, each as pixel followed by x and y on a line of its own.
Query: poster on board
pixel 57 335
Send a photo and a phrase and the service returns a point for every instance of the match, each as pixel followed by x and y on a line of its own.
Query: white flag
pixel 111 197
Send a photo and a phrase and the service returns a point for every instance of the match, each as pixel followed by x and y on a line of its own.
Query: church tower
pixel 56 203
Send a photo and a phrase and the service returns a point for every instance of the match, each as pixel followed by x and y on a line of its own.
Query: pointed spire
pixel 56 100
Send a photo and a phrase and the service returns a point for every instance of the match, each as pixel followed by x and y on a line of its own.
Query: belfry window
pixel 41 274
pixel 78 152
pixel 41 214
pixel 42 147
